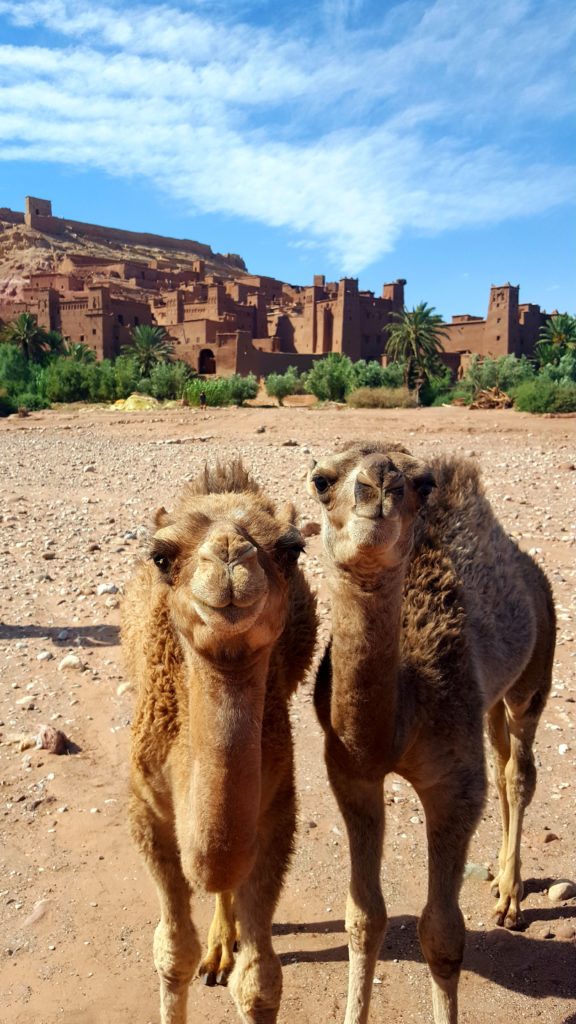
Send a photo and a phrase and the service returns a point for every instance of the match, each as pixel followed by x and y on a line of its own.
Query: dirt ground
pixel 77 909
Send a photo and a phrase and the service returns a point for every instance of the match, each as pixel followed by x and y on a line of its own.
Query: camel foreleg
pixel 176 946
pixel 256 981
pixel 362 807
pixel 452 809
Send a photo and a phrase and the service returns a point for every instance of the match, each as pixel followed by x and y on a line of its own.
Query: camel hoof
pixel 515 922
pixel 208 979
pixel 222 977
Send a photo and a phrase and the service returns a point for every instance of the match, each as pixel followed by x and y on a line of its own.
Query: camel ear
pixel 288 513
pixel 162 518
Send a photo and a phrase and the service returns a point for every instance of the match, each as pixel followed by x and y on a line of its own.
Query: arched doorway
pixel 206 361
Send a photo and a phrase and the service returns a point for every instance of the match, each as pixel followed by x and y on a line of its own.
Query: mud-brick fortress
pixel 220 318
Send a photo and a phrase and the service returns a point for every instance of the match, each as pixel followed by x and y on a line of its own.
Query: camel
pixel 438 617
pixel 218 628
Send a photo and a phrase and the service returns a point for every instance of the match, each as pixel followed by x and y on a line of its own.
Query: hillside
pixel 26 250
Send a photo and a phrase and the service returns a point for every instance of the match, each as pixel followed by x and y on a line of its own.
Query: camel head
pixel 370 494
pixel 224 558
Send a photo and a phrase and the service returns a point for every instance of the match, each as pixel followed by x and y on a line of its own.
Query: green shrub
pixel 217 391
pixel 30 400
pixel 127 374
pixel 67 381
pixel 545 395
pixel 242 388
pixel 371 375
pixel 382 398
pixel 280 385
pixel 330 378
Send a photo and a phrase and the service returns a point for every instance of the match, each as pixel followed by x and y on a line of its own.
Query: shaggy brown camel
pixel 437 618
pixel 218 628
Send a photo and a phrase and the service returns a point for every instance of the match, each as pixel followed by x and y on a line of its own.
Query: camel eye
pixel 321 484
pixel 161 561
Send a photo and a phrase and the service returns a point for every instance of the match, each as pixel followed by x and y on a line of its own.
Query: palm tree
pixel 33 340
pixel 78 352
pixel 560 330
pixel 415 339
pixel 150 345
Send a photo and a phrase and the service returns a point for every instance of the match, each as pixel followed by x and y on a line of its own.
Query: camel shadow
pixel 88 636
pixel 534 967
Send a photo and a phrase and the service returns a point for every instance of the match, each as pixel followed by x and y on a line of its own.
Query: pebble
pixel 44 656
pixel 562 890
pixel 549 837
pixel 106 588
pixel 70 661
pixel 478 871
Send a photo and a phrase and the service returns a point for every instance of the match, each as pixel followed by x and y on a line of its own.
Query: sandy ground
pixel 77 910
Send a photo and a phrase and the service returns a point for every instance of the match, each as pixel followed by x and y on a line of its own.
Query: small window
pixel 93 330
pixel 120 318
pixel 136 321
pixel 81 337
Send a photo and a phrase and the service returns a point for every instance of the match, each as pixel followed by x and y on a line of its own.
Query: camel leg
pixel 256 981
pixel 176 945
pixel 452 811
pixel 500 742
pixel 520 781
pixel 218 961
pixel 362 807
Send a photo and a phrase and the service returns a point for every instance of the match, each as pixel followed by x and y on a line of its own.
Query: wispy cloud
pixel 427 122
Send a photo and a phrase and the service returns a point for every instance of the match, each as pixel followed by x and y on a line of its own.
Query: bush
pixel 330 378
pixel 168 380
pixel 242 388
pixel 563 370
pixel 506 373
pixel 127 374
pixel 31 401
pixel 544 395
pixel 232 390
pixel 280 385
pixel 372 375
pixel 67 381
pixel 382 398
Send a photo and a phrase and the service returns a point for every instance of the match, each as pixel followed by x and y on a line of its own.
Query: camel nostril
pixel 241 554
pixel 365 491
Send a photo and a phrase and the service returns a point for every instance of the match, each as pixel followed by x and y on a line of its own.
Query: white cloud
pixel 347 144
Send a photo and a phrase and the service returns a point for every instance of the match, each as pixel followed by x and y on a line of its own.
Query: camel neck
pixel 365 661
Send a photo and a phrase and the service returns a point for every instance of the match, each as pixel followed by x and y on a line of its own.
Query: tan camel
pixel 437 618
pixel 218 628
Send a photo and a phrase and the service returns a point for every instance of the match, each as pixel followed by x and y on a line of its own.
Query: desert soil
pixel 77 909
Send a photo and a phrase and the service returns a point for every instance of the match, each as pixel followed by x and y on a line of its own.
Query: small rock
pixel 568 467
pixel 562 890
pixel 48 556
pixel 123 688
pixel 563 748
pixel 63 634
pixel 90 468
pixel 51 739
pixel 106 588
pixel 565 930
pixel 549 837
pixel 290 444
pixel 44 656
pixel 260 430
pixel 70 661
pixel 478 871
pixel 94 547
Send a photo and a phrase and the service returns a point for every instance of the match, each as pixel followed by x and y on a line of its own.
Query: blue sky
pixel 427 140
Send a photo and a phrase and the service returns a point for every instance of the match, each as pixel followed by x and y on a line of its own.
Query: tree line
pixel 38 367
